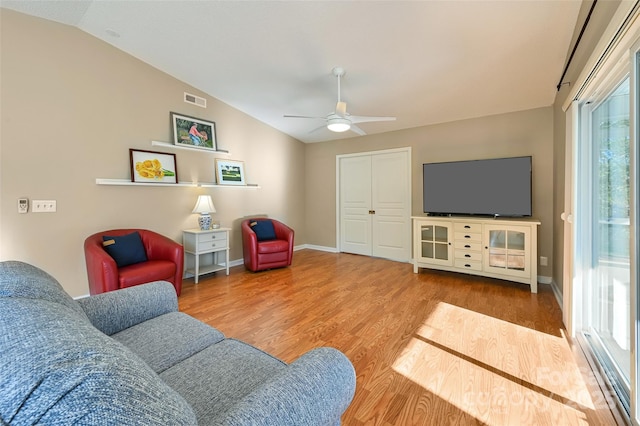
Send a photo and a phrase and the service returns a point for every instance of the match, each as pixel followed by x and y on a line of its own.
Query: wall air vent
pixel 195 100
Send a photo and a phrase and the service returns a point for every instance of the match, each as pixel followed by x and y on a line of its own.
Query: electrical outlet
pixel 543 261
pixel 23 205
pixel 43 206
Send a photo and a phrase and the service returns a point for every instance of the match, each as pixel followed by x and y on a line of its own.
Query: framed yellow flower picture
pixel 153 167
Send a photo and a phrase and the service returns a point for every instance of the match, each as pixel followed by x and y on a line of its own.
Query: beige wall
pixel 72 106
pixel 506 135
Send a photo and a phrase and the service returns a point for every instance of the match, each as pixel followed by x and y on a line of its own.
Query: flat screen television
pixel 493 187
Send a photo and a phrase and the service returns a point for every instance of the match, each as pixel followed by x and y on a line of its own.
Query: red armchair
pixel 165 261
pixel 267 254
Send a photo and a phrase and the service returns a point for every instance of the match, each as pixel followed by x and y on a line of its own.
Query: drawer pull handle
pixel 467 246
pixel 467 265
pixel 467 227
pixel 467 236
pixel 467 255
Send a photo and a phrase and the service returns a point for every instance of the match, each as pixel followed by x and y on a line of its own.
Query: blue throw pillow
pixel 263 229
pixel 126 249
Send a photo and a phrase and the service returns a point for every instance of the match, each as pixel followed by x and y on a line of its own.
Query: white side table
pixel 197 242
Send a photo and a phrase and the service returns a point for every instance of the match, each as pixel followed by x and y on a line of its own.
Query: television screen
pixel 495 187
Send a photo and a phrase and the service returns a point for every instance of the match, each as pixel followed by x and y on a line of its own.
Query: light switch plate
pixel 43 206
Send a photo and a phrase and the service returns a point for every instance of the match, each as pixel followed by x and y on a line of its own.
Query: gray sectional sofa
pixel 129 357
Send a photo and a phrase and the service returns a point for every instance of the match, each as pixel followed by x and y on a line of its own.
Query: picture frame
pixel 230 172
pixel 193 132
pixel 153 167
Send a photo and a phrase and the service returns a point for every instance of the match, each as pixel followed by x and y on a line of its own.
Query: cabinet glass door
pixel 435 242
pixel 507 250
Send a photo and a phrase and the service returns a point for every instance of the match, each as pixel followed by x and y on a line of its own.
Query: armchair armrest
pixel 283 232
pixel 102 270
pixel 120 309
pixel 315 389
pixel 159 247
pixel 249 246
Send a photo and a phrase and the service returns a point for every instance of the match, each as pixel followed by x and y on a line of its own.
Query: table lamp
pixel 204 206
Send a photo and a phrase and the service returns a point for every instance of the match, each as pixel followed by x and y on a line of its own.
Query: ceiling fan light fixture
pixel 339 125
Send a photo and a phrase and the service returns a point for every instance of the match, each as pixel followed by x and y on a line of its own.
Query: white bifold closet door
pixel 374 204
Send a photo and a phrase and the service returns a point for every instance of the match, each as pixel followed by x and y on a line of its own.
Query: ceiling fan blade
pixel 364 119
pixel 302 116
pixel 357 130
pixel 318 128
pixel 341 109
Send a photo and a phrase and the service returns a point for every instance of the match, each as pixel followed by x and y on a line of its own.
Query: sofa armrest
pixel 120 309
pixel 316 389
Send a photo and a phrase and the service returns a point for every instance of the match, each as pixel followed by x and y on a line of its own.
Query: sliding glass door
pixel 604 232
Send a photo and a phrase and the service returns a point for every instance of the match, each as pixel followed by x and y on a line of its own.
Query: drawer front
pixel 211 245
pixel 474 228
pixel 469 255
pixel 467 236
pixel 212 236
pixel 468 245
pixel 468 264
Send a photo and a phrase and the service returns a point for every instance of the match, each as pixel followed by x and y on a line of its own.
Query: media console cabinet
pixel 506 249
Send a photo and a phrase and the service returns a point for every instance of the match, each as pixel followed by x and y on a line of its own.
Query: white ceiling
pixel 424 62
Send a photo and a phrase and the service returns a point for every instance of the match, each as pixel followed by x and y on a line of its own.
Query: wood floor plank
pixel 429 348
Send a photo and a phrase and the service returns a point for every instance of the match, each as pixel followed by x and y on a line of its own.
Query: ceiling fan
pixel 340 120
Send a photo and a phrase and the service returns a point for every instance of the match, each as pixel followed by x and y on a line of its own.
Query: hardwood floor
pixel 433 348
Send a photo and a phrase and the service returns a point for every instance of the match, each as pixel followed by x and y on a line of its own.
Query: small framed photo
pixel 193 132
pixel 153 167
pixel 229 172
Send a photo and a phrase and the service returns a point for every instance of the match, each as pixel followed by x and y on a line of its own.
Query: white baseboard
pixel 544 280
pixel 314 247
pixel 238 262
pixel 557 293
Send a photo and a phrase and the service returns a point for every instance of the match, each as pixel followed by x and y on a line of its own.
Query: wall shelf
pixel 125 182
pixel 172 146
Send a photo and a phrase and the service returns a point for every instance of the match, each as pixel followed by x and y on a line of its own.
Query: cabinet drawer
pixel 468 245
pixel 212 236
pixel 469 255
pixel 468 236
pixel 211 245
pixel 474 228
pixel 468 264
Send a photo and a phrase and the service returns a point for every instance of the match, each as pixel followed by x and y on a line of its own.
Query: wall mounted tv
pixel 494 187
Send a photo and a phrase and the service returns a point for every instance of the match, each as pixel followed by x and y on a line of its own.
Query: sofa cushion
pixel 234 369
pixel 19 279
pixel 166 340
pixel 56 368
pixel 140 273
pixel 264 230
pixel 125 249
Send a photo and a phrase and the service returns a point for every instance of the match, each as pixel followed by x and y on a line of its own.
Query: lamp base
pixel 204 221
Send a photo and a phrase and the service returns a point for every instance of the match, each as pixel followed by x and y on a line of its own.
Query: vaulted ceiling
pixel 423 62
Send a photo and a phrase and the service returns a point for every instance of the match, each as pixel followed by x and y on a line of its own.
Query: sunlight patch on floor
pixel 496 371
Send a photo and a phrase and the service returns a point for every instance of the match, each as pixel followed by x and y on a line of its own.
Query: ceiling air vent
pixel 195 100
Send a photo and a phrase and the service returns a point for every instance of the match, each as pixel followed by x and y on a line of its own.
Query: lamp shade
pixel 204 205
